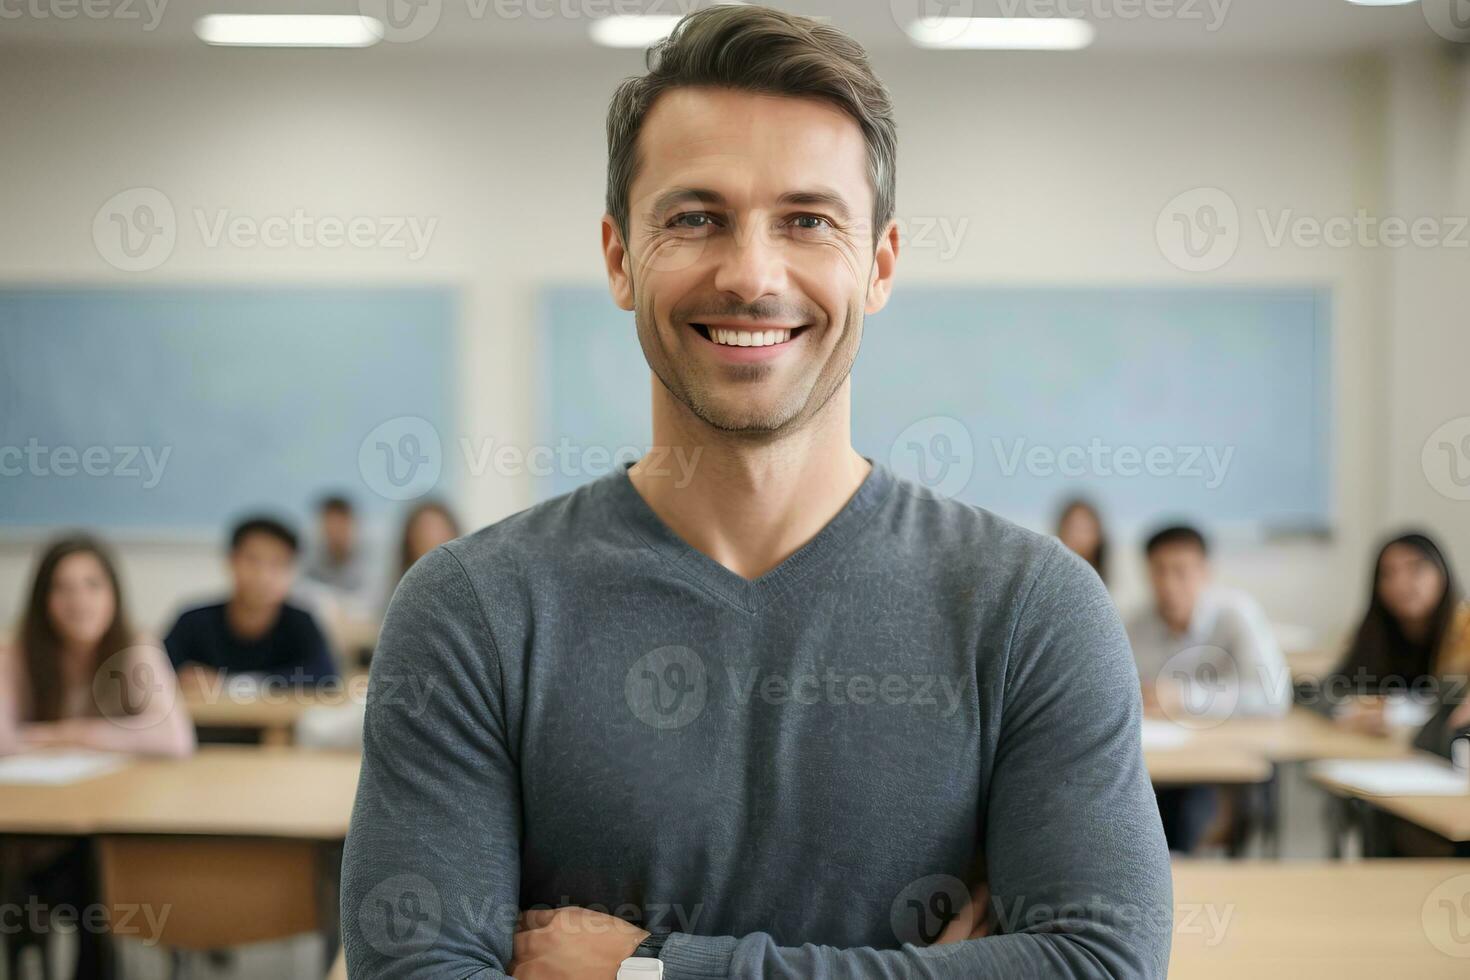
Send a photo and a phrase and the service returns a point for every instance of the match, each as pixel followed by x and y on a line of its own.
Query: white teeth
pixel 750 338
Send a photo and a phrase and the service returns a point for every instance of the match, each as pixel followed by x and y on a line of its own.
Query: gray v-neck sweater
pixel 800 776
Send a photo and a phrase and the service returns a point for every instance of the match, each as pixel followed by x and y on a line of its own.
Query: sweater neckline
pixel 749 595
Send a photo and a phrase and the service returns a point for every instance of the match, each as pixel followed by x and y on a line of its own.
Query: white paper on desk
pixel 1164 734
pixel 58 767
pixel 1396 777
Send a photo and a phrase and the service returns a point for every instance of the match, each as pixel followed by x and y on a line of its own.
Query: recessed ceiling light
pixel 290 30
pixel 633 30
pixel 1002 33
pixel 1382 3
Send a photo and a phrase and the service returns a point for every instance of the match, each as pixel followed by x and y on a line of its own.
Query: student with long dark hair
pixel 1080 528
pixel 78 675
pixel 426 527
pixel 1414 637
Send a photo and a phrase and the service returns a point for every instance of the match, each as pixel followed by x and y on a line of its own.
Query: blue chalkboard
pixel 1207 403
pixel 180 408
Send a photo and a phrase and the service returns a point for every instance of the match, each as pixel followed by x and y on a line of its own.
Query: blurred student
pixel 338 561
pixel 79 676
pixel 427 526
pixel 1196 634
pixel 1080 528
pixel 1413 642
pixel 1201 650
pixel 255 631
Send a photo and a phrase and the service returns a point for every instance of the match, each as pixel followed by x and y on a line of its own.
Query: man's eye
pixel 811 222
pixel 691 219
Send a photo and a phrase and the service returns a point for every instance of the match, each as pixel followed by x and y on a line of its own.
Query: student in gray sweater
pixel 753 707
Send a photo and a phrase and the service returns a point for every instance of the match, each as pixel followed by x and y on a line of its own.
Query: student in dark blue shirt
pixel 255 631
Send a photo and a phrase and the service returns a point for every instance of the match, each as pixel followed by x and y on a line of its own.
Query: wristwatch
pixel 644 964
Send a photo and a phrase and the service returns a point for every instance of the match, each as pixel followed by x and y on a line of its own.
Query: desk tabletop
pixel 1210 766
pixel 1447 816
pixel 1362 920
pixel 1299 736
pixel 237 791
pixel 267 710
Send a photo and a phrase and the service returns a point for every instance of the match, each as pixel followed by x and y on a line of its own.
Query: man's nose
pixel 753 266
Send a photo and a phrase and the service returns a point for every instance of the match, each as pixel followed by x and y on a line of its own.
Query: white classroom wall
pixel 1061 165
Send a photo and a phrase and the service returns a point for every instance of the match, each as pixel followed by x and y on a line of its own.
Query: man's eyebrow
pixel 685 195
pixel 818 198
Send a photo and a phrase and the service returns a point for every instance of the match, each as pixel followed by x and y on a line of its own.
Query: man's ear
pixel 615 254
pixel 885 258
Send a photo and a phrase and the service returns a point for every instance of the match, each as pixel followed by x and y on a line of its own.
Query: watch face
pixel 641 968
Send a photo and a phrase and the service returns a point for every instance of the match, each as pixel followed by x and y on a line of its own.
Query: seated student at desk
pixel 426 527
pixel 1414 641
pixel 79 676
pixel 1201 649
pixel 1080 528
pixel 339 562
pixel 255 631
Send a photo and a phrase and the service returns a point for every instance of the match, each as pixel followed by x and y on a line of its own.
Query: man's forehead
pixel 702 136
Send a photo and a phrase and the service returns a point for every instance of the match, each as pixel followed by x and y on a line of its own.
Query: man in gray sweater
pixel 753 707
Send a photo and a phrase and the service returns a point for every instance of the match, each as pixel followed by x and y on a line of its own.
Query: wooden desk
pixel 258 824
pixel 221 790
pixel 273 712
pixel 1447 816
pixel 1299 736
pixel 1205 766
pixel 1359 921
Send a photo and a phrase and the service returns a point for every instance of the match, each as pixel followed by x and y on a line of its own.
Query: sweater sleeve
pixel 431 867
pixel 1078 869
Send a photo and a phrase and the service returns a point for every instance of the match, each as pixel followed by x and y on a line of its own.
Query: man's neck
pixel 250 622
pixel 748 504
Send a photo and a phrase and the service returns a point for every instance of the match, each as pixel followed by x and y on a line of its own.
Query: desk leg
pixel 1272 794
pixel 329 898
pixel 1376 839
pixel 107 960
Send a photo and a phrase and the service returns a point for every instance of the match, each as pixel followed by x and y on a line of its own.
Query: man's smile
pixel 749 340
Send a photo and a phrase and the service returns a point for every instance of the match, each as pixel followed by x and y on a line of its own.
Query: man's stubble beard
pixel 794 409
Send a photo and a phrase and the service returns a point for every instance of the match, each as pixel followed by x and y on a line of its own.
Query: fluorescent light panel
pixel 1002 33
pixel 632 30
pixel 290 30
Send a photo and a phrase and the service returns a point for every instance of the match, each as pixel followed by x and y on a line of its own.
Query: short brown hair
pixel 756 49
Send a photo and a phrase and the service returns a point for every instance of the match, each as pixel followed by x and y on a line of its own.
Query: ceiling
pixel 1189 26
